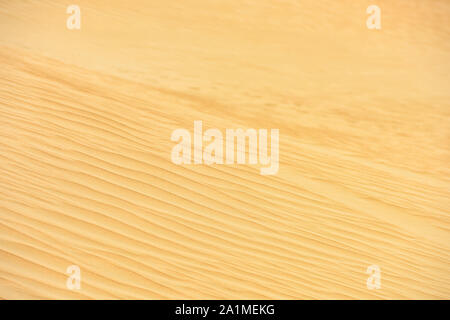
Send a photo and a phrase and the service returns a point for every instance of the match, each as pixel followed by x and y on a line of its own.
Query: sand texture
pixel 86 176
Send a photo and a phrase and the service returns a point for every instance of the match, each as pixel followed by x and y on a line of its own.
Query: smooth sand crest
pixel 85 171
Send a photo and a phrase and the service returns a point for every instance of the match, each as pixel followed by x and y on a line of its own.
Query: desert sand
pixel 86 177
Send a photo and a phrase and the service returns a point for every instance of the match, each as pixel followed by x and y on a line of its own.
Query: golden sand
pixel 86 176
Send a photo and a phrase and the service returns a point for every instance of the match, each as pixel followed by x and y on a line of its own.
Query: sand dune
pixel 86 176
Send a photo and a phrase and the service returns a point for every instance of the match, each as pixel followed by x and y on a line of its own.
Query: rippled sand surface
pixel 86 176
